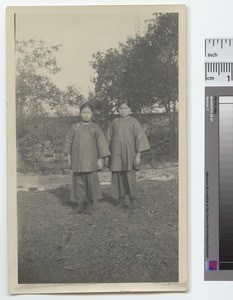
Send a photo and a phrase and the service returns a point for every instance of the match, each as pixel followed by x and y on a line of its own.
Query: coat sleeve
pixel 141 141
pixel 68 141
pixel 102 146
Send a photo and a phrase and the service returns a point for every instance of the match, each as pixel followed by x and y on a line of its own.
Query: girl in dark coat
pixel 86 144
pixel 126 140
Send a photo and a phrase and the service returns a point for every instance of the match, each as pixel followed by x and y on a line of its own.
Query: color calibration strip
pixel 219 183
pixel 226 183
pixel 219 159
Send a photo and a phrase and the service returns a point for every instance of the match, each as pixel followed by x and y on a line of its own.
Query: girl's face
pixel 86 114
pixel 124 110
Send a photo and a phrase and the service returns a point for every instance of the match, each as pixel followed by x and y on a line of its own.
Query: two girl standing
pixel 87 146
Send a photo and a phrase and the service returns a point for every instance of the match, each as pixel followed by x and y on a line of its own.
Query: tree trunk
pixel 173 132
pixel 172 124
pixel 175 152
pixel 171 128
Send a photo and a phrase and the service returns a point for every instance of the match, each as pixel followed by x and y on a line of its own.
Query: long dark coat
pixel 125 138
pixel 85 143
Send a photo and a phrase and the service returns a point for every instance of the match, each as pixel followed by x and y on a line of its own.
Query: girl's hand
pixel 106 162
pixel 99 164
pixel 137 160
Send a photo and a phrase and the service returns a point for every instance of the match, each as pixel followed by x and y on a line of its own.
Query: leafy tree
pixel 163 34
pixel 143 70
pixel 35 59
pixel 37 97
pixel 71 98
pixel 35 91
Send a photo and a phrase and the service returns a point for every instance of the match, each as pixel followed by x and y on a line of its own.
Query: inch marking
pixel 219 49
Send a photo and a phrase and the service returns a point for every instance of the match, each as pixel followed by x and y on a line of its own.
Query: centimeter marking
pixel 219 68
pixel 219 73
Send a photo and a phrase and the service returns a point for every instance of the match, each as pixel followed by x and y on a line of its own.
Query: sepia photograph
pixel 96 149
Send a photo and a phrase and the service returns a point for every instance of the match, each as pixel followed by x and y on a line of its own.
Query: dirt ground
pixel 110 245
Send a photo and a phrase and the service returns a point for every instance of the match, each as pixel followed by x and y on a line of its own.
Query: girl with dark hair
pixel 86 145
pixel 126 140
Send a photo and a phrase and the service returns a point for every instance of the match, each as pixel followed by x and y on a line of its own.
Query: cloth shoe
pixel 131 202
pixel 122 201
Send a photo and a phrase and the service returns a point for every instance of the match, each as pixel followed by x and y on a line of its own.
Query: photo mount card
pixel 57 59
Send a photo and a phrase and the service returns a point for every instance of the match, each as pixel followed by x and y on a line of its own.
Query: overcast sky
pixel 81 35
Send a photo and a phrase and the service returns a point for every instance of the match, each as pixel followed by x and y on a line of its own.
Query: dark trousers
pixel 85 186
pixel 124 183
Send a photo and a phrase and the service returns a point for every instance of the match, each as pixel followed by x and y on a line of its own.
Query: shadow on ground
pixel 111 245
pixel 108 199
pixel 62 194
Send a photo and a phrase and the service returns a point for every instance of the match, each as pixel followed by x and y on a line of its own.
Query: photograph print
pixel 97 149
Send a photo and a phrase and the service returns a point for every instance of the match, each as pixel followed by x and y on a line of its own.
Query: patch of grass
pixel 111 245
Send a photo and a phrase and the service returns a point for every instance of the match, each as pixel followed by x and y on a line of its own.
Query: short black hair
pixel 86 104
pixel 126 102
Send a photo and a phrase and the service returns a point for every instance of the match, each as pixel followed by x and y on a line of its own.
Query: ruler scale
pixel 219 159
pixel 219 62
pixel 219 73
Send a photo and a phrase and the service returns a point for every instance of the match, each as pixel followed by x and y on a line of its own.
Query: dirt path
pixel 165 172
